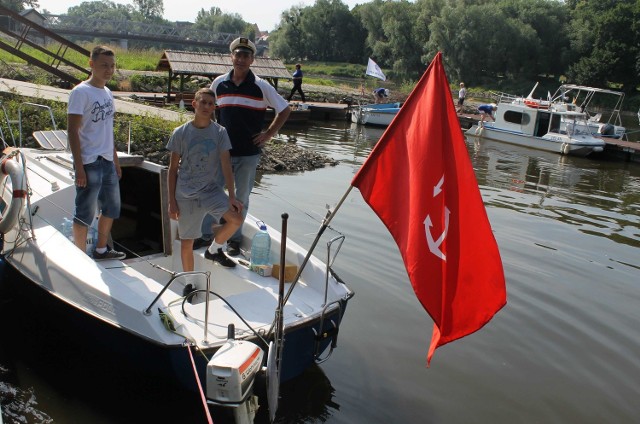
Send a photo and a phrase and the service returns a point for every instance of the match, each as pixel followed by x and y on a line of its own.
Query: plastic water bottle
pixel 92 237
pixel 67 228
pixel 261 246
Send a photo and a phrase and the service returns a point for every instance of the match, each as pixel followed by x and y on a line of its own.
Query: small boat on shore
pixel 551 129
pixel 237 324
pixel 375 114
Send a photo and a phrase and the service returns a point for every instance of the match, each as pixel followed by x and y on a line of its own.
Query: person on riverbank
pixel 380 94
pixel 487 111
pixel 242 99
pixel 297 83
pixel 90 115
pixel 199 151
pixel 462 93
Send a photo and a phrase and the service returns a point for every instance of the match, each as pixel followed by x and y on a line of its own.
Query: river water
pixel 564 348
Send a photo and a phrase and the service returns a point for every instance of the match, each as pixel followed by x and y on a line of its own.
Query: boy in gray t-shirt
pixel 198 149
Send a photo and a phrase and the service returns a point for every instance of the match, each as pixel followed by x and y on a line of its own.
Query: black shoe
pixel 220 258
pixel 233 248
pixel 200 243
pixel 108 254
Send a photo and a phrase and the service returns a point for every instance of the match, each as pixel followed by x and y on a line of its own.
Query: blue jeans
pixel 102 190
pixel 244 175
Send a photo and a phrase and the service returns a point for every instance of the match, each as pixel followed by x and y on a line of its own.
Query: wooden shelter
pixel 184 64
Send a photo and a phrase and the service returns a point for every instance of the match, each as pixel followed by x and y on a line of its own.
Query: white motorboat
pixel 545 128
pixel 599 121
pixel 375 114
pixel 137 305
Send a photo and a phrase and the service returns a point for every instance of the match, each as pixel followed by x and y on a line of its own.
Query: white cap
pixel 242 43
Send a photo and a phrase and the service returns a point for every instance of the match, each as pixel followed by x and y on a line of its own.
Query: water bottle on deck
pixel 92 237
pixel 261 246
pixel 67 228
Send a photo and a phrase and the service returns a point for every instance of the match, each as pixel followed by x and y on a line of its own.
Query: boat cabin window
pixel 516 117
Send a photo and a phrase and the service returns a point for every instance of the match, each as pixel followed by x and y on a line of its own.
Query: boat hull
pixel 170 361
pixel 550 143
pixel 376 115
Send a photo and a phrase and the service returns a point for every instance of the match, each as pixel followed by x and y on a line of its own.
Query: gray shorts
pixel 192 211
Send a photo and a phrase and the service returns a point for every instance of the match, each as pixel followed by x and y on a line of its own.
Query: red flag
pixel 420 182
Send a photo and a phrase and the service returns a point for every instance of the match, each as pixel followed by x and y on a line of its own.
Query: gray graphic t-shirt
pixel 199 150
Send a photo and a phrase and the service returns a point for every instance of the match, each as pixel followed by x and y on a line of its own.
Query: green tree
pixel 20 5
pixel 287 39
pixel 150 9
pixel 605 42
pixel 370 17
pixel 549 50
pixel 325 31
pixel 217 21
pixel 402 50
pixel 102 10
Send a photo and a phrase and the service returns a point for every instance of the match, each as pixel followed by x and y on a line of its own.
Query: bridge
pixel 182 34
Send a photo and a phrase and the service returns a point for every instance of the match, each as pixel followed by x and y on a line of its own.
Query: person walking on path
pixel 462 93
pixel 199 150
pixel 297 83
pixel 242 99
pixel 90 115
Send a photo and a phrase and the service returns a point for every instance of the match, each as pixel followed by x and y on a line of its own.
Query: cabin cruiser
pixel 546 128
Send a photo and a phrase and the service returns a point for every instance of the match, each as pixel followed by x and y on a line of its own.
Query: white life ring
pixel 13 170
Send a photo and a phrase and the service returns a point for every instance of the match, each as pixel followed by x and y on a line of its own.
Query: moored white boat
pixel 558 131
pixel 580 98
pixel 137 303
pixel 375 114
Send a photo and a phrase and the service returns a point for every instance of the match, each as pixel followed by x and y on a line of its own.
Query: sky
pixel 266 13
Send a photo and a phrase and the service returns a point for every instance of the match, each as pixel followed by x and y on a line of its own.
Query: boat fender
pixel 480 131
pixel 565 148
pixel 12 169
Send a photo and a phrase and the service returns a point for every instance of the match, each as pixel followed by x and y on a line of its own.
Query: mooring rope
pixel 195 374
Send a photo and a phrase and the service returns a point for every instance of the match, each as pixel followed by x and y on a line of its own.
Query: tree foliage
pixel 102 10
pixel 150 9
pixel 20 5
pixel 605 42
pixel 325 31
pixel 216 21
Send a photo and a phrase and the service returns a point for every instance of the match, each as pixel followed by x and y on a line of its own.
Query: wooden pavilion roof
pixel 214 64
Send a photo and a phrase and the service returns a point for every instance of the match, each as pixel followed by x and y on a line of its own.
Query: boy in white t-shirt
pixel 97 170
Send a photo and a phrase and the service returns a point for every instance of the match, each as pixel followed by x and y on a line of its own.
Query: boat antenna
pixel 530 96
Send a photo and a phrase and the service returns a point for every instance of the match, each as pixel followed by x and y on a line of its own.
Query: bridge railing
pixel 132 28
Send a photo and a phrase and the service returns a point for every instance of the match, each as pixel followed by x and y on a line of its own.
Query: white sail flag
pixel 374 70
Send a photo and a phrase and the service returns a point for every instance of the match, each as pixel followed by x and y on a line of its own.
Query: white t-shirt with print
pixel 97 108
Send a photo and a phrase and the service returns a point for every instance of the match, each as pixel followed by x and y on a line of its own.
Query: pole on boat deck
pixel 273 376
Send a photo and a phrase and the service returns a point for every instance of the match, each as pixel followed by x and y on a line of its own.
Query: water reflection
pixel 601 198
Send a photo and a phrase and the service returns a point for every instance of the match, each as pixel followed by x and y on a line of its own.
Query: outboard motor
pixel 608 130
pixel 231 373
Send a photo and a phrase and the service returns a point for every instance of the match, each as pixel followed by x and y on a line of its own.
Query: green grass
pixel 136 60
